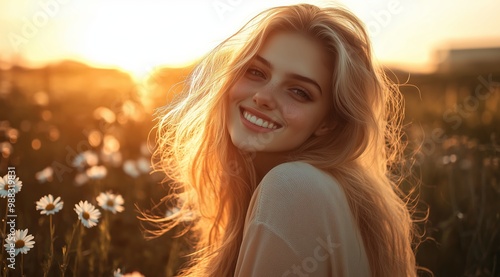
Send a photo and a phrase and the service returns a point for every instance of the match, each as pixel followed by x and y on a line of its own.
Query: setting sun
pixel 137 39
pixel 137 36
pixel 133 36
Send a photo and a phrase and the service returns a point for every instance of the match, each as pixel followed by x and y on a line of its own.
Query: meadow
pixel 84 134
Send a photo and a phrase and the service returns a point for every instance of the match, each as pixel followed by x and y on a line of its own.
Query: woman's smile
pixel 257 121
pixel 280 95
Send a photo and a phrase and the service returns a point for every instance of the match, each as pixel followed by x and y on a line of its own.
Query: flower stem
pixel 104 243
pixel 78 251
pixel 67 249
pixel 52 231
pixel 48 264
pixel 22 264
pixel 4 236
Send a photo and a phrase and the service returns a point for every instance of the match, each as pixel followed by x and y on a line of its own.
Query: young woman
pixel 281 149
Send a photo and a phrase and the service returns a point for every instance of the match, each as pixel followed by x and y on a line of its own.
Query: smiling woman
pixel 279 149
pixel 281 92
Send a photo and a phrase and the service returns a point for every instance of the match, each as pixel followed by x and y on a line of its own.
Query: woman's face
pixel 283 97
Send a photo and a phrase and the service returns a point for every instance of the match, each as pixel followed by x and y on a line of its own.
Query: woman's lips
pixel 258 119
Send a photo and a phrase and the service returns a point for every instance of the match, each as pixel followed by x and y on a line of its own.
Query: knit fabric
pixel 299 224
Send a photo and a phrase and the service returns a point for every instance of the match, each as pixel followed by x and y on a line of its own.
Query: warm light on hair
pixel 214 181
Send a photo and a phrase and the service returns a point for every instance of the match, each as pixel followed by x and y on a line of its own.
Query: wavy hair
pixel 212 181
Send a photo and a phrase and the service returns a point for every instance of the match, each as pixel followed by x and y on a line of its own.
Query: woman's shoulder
pixel 295 167
pixel 299 178
pixel 301 189
pixel 300 203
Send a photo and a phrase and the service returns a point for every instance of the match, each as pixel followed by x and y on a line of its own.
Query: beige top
pixel 299 224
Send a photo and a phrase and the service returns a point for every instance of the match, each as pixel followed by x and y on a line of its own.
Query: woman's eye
pixel 256 73
pixel 301 93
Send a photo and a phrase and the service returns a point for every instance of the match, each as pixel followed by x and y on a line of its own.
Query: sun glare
pixel 138 40
pixel 133 36
pixel 138 36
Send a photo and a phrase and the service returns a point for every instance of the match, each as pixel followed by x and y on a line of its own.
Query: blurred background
pixel 80 81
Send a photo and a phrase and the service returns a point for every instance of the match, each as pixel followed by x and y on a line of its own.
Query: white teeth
pixel 258 121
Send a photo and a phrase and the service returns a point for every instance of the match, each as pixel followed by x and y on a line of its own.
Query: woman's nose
pixel 264 97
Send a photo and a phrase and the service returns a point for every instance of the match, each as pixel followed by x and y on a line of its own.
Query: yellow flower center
pixel 110 203
pixel 85 215
pixel 50 207
pixel 19 243
pixel 6 187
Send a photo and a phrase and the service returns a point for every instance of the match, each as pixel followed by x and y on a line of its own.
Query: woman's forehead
pixel 296 53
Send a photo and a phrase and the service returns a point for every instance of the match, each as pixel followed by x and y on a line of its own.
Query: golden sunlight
pixel 137 36
pixel 130 35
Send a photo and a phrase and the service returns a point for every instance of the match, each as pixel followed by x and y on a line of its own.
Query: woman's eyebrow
pixel 291 75
pixel 264 61
pixel 307 80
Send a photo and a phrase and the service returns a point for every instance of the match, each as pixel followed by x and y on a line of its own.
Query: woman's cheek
pixel 292 113
pixel 240 90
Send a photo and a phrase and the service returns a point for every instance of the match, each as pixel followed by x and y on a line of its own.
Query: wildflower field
pixel 76 145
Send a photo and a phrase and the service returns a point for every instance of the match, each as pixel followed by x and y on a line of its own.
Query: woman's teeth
pixel 259 121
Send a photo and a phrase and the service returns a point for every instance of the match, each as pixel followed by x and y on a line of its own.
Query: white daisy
pixel 87 158
pixel 14 184
pixel 97 172
pixel 117 273
pixel 143 165
pixel 45 175
pixel 175 212
pixel 144 149
pixel 81 178
pixel 48 205
pixel 112 158
pixel 171 212
pixel 133 274
pixel 6 149
pixel 130 167
pixel 20 242
pixel 87 213
pixel 110 202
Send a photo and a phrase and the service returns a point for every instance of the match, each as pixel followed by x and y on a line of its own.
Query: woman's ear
pixel 324 128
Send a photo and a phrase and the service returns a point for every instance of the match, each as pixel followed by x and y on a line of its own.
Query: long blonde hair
pixel 212 181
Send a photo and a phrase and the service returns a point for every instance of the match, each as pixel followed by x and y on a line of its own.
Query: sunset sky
pixel 137 34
